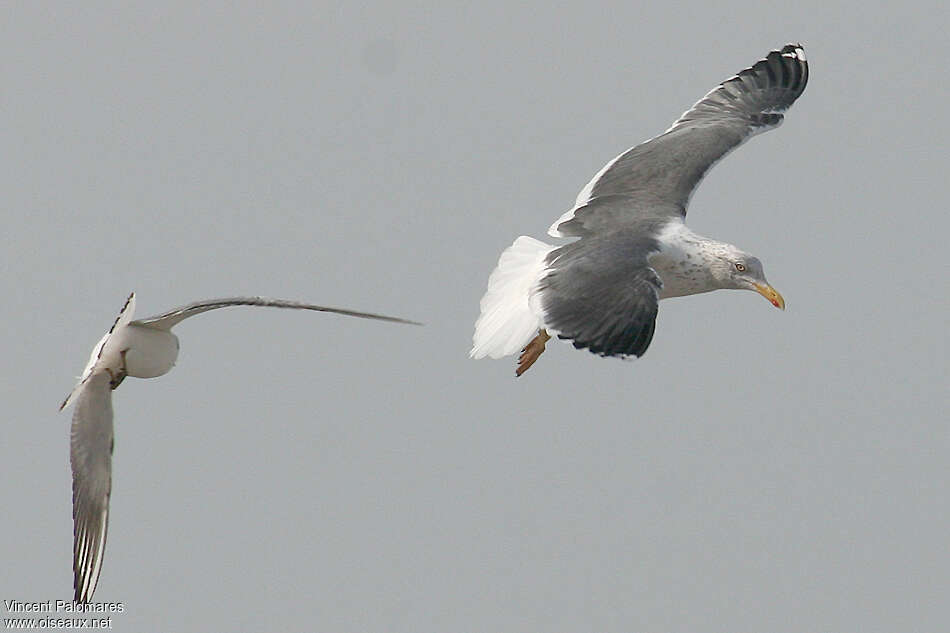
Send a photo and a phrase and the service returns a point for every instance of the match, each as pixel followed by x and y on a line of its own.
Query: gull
pixel 632 246
pixel 143 348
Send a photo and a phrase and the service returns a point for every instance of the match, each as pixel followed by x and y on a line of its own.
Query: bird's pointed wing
pixel 90 456
pixel 666 169
pixel 167 320
pixel 123 319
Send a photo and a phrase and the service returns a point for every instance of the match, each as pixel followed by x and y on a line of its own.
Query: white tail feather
pixel 507 322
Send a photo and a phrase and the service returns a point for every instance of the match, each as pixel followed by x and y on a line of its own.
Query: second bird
pixel 143 348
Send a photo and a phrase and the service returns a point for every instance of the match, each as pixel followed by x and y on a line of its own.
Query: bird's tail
pixel 507 321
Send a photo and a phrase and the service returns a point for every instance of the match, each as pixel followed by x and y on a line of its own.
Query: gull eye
pixel 740 267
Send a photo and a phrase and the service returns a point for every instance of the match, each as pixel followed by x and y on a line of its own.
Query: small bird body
pixel 131 349
pixel 152 352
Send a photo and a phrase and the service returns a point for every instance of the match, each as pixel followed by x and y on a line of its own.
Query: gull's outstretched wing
pixel 664 171
pixel 91 458
pixel 601 293
pixel 167 320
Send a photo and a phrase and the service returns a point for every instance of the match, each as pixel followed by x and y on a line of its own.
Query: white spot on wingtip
pixel 798 53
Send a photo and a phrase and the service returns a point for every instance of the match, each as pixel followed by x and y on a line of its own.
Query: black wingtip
pixel 632 341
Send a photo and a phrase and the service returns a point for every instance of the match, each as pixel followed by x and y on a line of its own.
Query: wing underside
pixel 168 319
pixel 91 460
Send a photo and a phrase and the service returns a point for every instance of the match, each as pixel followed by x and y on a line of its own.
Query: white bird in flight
pixel 144 348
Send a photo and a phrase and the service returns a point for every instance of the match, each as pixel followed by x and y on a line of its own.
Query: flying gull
pixel 633 248
pixel 144 348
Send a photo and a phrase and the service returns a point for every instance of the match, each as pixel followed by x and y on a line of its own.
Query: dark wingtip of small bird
pixel 392 319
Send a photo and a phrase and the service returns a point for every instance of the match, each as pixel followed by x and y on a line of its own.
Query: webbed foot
pixel 531 352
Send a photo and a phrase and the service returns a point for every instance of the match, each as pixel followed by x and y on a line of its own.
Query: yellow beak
pixel 771 294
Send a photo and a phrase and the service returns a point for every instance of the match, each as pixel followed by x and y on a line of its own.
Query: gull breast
pixel 149 352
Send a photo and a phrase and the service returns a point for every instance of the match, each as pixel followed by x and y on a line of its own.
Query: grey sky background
pixel 755 470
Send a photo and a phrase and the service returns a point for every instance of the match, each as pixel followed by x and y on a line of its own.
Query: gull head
pixel 739 270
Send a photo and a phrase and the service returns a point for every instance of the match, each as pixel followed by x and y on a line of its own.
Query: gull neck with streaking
pixel 689 263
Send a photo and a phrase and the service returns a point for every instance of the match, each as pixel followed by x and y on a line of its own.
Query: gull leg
pixel 531 352
pixel 117 378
